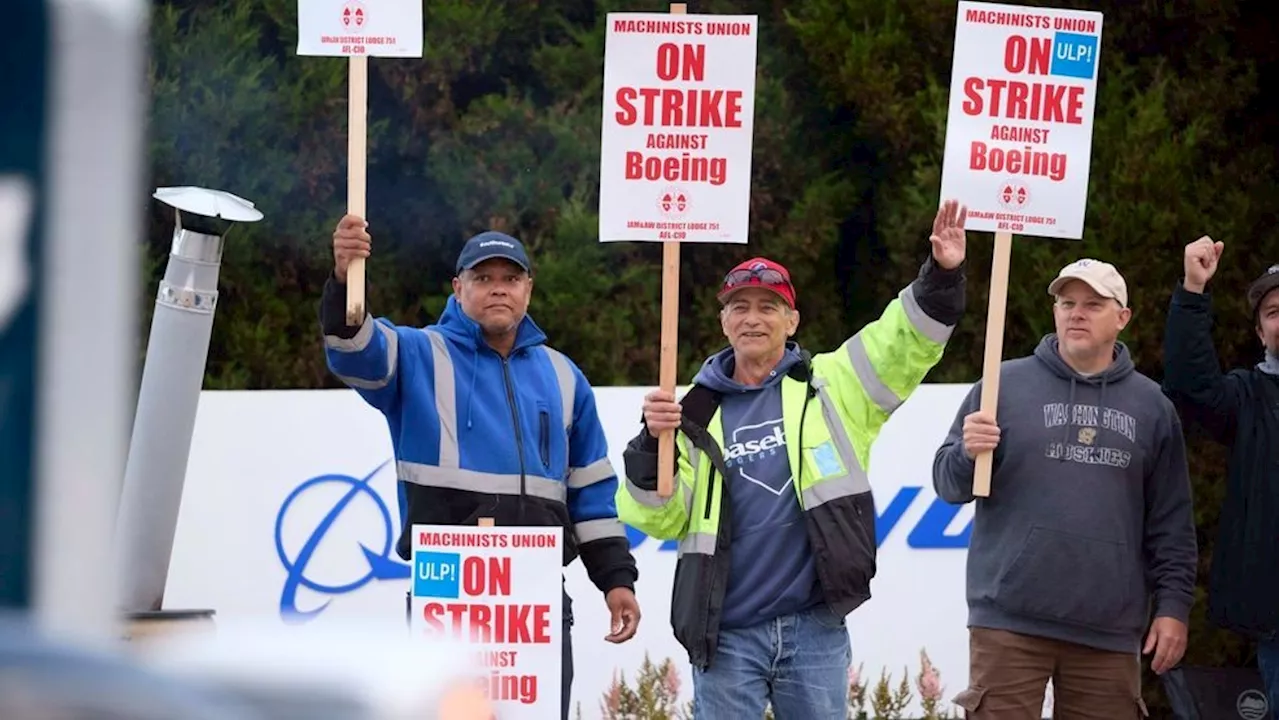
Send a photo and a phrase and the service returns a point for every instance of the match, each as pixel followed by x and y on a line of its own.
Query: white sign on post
pixel 498 590
pixel 357 30
pixel 386 28
pixel 1019 135
pixel 675 143
pixel 1020 121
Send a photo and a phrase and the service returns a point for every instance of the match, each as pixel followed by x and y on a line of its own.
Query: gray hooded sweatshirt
pixel 1088 532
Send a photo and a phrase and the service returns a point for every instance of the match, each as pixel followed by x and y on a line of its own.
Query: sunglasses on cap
pixel 768 276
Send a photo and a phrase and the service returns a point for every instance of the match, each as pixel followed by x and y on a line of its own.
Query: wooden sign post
pixel 357 163
pixel 667 348
pixel 675 150
pixel 993 351
pixel 1018 143
pixel 357 30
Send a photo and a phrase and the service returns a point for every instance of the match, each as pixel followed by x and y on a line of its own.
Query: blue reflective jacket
pixel 478 435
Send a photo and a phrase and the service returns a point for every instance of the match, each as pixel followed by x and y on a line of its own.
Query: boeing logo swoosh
pixel 382 566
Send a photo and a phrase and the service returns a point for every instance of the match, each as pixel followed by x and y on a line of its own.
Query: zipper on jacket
pixel 719 573
pixel 544 438
pixel 797 482
pixel 515 420
pixel 711 491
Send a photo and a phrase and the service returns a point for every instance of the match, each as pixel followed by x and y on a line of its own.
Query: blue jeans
pixel 1267 666
pixel 799 663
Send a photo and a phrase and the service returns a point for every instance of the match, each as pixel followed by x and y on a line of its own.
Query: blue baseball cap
pixel 491 244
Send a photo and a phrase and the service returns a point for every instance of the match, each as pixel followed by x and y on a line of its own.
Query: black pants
pixel 566 658
pixel 566 648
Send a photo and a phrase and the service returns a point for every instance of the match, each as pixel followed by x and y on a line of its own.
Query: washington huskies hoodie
pixel 1088 532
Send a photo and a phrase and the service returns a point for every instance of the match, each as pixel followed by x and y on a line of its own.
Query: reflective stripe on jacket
pixel 476 434
pixel 835 409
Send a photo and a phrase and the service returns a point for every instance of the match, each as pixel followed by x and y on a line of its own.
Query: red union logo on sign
pixel 673 201
pixel 353 15
pixel 1013 196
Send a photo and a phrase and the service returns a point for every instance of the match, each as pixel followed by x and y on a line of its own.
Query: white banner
pixel 305 478
pixel 385 28
pixel 1020 118
pixel 498 590
pixel 675 143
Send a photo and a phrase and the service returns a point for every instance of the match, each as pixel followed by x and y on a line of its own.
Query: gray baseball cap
pixel 1265 283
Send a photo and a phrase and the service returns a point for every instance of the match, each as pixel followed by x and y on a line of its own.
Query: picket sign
pixel 1019 137
pixel 498 591
pixel 675 159
pixel 348 28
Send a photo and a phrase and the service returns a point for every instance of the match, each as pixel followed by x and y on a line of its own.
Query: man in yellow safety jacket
pixel 771 502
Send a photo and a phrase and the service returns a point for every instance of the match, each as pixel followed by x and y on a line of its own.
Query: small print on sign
pixel 675 145
pixel 496 589
pixel 386 28
pixel 1020 118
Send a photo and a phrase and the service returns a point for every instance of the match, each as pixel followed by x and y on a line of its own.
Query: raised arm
pixel 874 371
pixel 1193 377
pixel 365 358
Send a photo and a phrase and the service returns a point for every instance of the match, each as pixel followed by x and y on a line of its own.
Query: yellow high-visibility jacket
pixel 834 406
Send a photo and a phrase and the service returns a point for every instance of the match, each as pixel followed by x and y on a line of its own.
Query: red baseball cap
pixel 759 272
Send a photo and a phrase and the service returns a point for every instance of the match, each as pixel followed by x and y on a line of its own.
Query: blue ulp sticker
pixel 826 459
pixel 1074 55
pixel 436 574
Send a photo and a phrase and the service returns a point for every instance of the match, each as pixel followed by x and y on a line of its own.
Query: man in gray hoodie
pixel 1087 541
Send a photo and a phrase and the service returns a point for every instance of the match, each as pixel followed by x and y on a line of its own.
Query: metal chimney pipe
pixel 172 377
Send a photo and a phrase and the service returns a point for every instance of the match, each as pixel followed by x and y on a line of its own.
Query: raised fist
pixel 1199 263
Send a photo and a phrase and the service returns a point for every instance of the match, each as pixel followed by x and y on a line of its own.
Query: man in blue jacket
pixel 486 420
